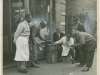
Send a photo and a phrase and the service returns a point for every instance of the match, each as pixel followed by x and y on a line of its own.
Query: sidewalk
pixel 54 69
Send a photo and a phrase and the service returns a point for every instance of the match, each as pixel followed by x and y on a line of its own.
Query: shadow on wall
pixel 90 21
pixel 88 11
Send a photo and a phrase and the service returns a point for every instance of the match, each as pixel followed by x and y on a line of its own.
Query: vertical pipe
pixel 51 4
pixel 52 8
pixel 50 20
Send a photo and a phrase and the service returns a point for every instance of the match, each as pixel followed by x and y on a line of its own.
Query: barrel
pixel 52 53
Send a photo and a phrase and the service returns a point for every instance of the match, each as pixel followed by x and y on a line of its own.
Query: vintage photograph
pixel 49 37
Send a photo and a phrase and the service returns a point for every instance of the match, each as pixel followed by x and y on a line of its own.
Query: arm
pixel 37 40
pixel 82 40
pixel 76 42
pixel 59 41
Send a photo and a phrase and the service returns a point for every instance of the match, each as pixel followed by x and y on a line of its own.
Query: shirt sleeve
pixel 59 41
pixel 71 41
pixel 18 31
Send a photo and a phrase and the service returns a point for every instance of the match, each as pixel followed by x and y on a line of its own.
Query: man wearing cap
pixel 87 45
pixel 34 30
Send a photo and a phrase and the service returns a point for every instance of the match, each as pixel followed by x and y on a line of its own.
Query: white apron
pixel 65 51
pixel 22 49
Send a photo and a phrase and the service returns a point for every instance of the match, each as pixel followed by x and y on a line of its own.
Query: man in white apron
pixel 21 39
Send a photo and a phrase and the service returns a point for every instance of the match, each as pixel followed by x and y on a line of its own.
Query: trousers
pixel 86 53
pixel 34 50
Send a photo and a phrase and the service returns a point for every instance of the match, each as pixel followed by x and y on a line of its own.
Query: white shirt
pixel 22 29
pixel 66 45
pixel 44 33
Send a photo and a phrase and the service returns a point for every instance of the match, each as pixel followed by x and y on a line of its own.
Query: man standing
pixel 56 37
pixel 34 30
pixel 21 38
pixel 87 45
pixel 44 31
pixel 80 27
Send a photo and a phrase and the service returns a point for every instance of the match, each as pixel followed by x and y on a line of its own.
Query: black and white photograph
pixel 49 37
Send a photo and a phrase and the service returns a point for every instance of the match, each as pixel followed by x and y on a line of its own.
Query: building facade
pixel 54 11
pixel 37 8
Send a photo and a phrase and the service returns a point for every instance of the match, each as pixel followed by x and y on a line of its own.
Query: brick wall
pixel 77 7
pixel 60 11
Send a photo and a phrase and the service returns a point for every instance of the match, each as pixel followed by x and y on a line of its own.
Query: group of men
pixel 30 38
pixel 79 44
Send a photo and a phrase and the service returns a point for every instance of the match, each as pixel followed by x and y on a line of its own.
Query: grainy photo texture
pixel 49 37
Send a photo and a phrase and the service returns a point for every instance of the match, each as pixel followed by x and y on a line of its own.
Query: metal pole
pixel 51 20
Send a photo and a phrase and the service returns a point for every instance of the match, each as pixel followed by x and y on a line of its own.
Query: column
pixel 26 3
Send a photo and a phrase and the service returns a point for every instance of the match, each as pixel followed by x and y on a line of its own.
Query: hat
pixel 35 22
pixel 63 32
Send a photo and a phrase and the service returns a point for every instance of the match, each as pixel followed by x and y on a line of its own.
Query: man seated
pixel 66 45
pixel 57 36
